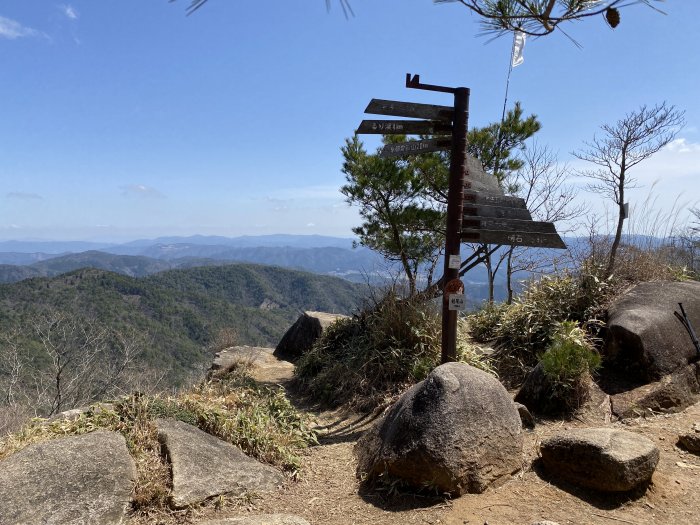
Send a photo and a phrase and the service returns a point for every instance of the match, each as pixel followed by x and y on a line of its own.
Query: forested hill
pixel 179 311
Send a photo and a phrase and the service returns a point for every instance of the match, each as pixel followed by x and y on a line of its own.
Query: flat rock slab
pixel 205 466
pixel 265 367
pixel 262 519
pixel 672 393
pixel 604 459
pixel 84 479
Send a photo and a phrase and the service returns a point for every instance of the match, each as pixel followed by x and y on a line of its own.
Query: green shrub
pixel 570 355
pixel 568 364
pixel 523 330
pixel 367 360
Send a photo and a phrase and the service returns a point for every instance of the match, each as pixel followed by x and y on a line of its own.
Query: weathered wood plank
pixel 493 199
pixel 537 240
pixel 508 225
pixel 403 127
pixel 414 147
pixel 395 108
pixel 496 212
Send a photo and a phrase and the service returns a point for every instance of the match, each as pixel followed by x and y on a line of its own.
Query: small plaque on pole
pixel 455 262
pixel 457 302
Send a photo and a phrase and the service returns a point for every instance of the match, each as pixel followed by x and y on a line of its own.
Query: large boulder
pixel 604 459
pixel 645 339
pixel 303 333
pixel 78 479
pixel 458 430
pixel 205 466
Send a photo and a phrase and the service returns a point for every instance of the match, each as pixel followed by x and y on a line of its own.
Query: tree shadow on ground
pixel 598 499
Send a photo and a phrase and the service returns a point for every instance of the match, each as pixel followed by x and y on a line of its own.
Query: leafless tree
pixel 542 183
pixel 86 361
pixel 619 148
pixel 11 366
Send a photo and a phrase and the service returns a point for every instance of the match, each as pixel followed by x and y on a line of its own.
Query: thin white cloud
pixel 11 29
pixel 23 196
pixel 69 11
pixel 140 190
pixel 279 204
pixel 325 192
pixel 310 225
pixel 683 146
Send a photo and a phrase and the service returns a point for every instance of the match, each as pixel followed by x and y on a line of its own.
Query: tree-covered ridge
pixel 180 312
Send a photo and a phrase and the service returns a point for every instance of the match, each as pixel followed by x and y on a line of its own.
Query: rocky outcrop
pixel 261 364
pixel 604 459
pixel 458 430
pixel 262 519
pixel 644 338
pixel 672 393
pixel 204 466
pixel 78 479
pixel 691 440
pixel 302 334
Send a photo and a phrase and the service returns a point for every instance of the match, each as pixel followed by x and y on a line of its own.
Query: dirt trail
pixel 329 493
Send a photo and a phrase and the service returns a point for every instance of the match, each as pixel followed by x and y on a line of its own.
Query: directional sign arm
pixel 493 199
pixel 507 225
pixel 538 240
pixel 495 212
pixel 409 109
pixel 403 127
pixel 414 147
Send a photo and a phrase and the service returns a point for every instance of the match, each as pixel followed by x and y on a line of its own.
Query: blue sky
pixel 126 119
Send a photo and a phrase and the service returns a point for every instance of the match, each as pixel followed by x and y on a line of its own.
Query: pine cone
pixel 612 15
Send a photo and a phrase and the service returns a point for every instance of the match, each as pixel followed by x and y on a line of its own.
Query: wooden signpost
pixel 477 209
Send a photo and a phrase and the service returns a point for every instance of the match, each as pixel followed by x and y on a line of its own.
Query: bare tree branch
pixel 542 17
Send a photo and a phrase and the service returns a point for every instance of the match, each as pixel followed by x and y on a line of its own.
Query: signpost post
pixel 477 209
pixel 455 197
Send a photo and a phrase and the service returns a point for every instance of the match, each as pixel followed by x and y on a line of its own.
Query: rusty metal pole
pixel 455 196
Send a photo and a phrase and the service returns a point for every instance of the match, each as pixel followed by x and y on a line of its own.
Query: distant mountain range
pixel 313 253
pixel 134 247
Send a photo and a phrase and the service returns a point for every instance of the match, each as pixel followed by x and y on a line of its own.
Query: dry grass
pixel 260 420
pixel 366 361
